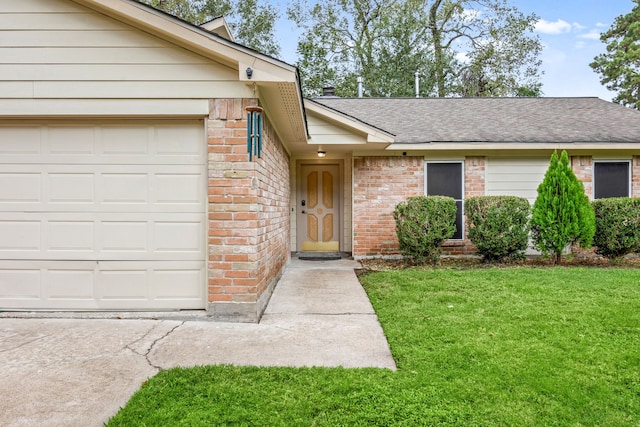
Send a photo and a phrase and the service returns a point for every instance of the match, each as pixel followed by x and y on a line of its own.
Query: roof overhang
pixel 467 146
pixel 369 137
pixel 219 27
pixel 277 84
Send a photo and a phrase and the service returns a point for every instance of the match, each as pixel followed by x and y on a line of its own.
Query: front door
pixel 319 208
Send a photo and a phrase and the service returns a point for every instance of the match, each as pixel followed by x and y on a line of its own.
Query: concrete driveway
pixel 80 371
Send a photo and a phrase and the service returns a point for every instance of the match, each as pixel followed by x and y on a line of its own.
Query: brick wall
pixel 583 169
pixel 248 236
pixel 635 176
pixel 380 183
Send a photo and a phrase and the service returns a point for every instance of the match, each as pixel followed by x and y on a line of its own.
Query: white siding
pixel 327 133
pixel 515 176
pixel 53 49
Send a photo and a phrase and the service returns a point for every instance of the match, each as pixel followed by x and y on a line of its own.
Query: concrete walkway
pixel 80 371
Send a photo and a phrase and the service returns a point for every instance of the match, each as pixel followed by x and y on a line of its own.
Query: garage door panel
pixel 178 237
pixel 125 142
pixel 175 142
pixel 119 188
pixel 19 285
pixel 178 188
pixel 20 187
pixel 71 141
pixel 123 284
pixel 17 235
pixel 110 285
pixel 17 142
pixel 102 188
pixel 70 285
pixel 72 188
pixel 125 236
pixel 108 236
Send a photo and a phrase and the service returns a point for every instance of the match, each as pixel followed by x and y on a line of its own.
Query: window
pixel 611 179
pixel 446 179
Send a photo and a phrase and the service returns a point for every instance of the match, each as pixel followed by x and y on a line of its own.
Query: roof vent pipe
pixel 329 91
pixel 417 74
pixel 359 80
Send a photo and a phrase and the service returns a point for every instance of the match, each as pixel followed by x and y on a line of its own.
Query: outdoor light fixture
pixel 254 131
pixel 322 154
pixel 249 72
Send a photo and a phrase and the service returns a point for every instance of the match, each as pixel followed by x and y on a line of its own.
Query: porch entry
pixel 319 208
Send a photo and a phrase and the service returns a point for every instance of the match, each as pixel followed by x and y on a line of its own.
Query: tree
pixel 452 43
pixel 381 41
pixel 252 22
pixel 562 214
pixel 619 67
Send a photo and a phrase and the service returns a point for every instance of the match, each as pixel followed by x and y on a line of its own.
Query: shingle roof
pixel 563 120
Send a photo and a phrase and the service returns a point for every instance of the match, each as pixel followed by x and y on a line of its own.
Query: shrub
pixel 498 225
pixel 423 223
pixel 617 226
pixel 562 214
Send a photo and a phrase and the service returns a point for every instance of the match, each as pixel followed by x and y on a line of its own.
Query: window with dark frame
pixel 611 179
pixel 446 179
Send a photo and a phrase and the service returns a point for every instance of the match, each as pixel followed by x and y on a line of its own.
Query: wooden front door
pixel 319 208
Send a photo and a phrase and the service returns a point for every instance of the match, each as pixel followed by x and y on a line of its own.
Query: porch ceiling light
pixel 322 154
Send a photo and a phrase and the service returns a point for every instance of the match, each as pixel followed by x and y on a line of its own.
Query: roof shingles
pixel 524 120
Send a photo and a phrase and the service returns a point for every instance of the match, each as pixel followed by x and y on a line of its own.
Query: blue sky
pixel 569 30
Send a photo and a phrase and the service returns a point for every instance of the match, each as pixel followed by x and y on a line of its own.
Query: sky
pixel 569 31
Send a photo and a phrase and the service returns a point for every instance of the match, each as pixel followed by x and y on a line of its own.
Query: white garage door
pixel 101 216
pixel 515 177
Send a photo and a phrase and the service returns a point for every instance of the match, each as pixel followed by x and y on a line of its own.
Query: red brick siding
pixel 583 169
pixel 380 183
pixel 635 176
pixel 248 236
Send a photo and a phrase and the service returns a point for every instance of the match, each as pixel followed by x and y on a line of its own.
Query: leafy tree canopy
pixel 252 22
pixel 619 67
pixel 460 47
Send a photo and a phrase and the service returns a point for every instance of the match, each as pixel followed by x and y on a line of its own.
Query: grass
pixel 481 347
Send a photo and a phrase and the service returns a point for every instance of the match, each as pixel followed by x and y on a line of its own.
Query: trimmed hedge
pixel 423 223
pixel 617 226
pixel 498 225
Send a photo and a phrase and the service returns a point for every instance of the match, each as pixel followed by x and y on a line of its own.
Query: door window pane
pixel 445 179
pixel 610 179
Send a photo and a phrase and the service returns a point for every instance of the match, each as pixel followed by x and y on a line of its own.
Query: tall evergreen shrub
pixel 498 225
pixel 562 214
pixel 423 223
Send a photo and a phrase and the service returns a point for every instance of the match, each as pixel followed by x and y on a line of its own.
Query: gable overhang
pixel 369 137
pixel 274 82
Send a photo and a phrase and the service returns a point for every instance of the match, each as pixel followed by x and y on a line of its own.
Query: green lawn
pixel 515 346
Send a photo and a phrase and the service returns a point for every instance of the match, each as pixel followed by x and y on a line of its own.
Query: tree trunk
pixel 436 35
pixel 558 259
